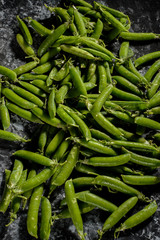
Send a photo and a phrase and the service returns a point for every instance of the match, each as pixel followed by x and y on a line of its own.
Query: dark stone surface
pixel 145 16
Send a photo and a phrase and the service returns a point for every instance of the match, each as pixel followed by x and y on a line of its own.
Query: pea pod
pixel 118 214
pixel 140 180
pixel 46 213
pixel 9 136
pixel 33 209
pixel 8 73
pixel 39 28
pixel 25 31
pixel 24 45
pixel 4 114
pixel 35 157
pixel 138 217
pixel 52 38
pixel 74 208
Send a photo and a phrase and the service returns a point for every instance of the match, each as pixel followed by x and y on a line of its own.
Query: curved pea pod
pixel 127 74
pixel 35 157
pixel 98 29
pixel 9 136
pixel 61 150
pixel 132 145
pixel 146 58
pixel 24 45
pixel 132 36
pixel 83 181
pixel 116 216
pixel 78 19
pixel 6 196
pixel 82 125
pixel 46 215
pixel 103 96
pixel 123 51
pixel 94 200
pixel 33 209
pixel 45 118
pixel 95 146
pixel 152 70
pixel 99 54
pixel 30 76
pixel 91 44
pixel 138 217
pixel 99 135
pixel 143 160
pixel 23 113
pixel 134 105
pixel 140 180
pixel 154 101
pixel 109 17
pixel 26 67
pixel 79 52
pixel 8 73
pixel 44 68
pixel 16 200
pixel 107 125
pixel 38 27
pixel 74 208
pixel 52 104
pixel 126 84
pixel 52 38
pixel 27 95
pixel 35 90
pixel 42 140
pixel 120 115
pixel 61 93
pixel 146 122
pixel 12 96
pixel 123 95
pixel 4 114
pixel 108 161
pixel 154 86
pixel 117 185
pixel 55 142
pixel 65 116
pixel 67 167
pixel 15 174
pixel 35 181
pixel 82 3
pixel 25 31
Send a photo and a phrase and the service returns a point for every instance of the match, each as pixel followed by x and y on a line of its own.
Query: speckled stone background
pixel 145 16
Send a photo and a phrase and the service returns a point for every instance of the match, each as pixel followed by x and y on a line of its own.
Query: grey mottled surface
pixel 145 16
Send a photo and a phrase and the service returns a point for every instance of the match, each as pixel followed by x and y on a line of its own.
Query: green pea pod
pixel 35 157
pixel 5 199
pixel 39 28
pixel 25 68
pixel 4 114
pixel 24 45
pixel 138 217
pixel 42 140
pixel 23 113
pixel 12 96
pixel 25 31
pixel 42 115
pixel 27 95
pixel 74 208
pixel 68 166
pixel 49 55
pixel 118 214
pixel 9 136
pixel 33 89
pixel 46 214
pixel 33 209
pixel 52 38
pixel 8 73
pixel 52 104
pixel 55 142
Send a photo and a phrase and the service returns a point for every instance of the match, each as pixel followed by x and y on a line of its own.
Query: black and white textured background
pixel 145 17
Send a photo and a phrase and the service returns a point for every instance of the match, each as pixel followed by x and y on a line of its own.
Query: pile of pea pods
pixel 94 110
